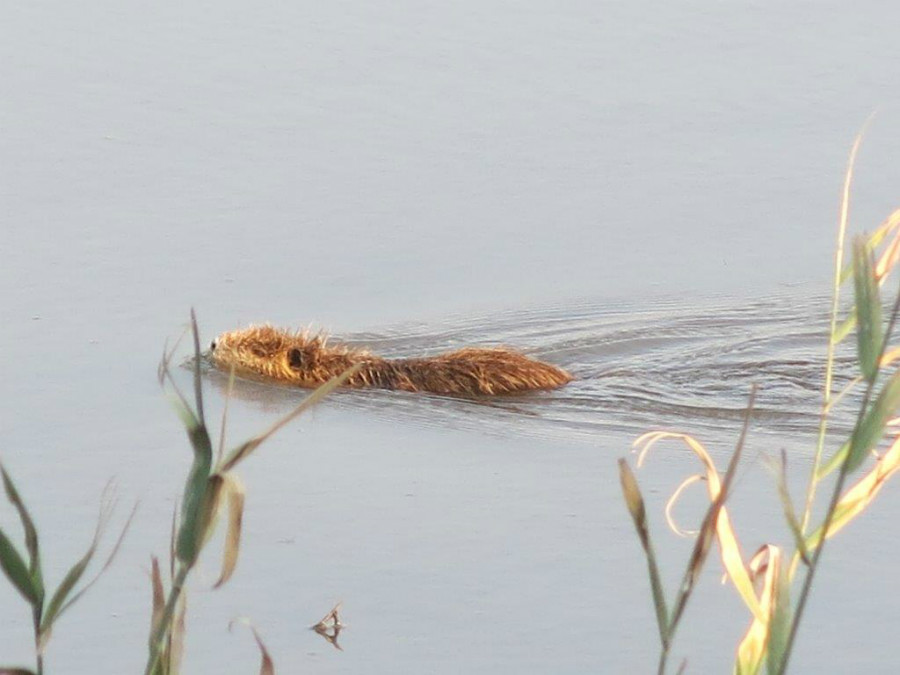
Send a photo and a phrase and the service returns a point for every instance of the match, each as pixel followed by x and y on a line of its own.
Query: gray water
pixel 645 194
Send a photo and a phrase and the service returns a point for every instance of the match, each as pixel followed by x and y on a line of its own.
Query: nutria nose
pixel 212 346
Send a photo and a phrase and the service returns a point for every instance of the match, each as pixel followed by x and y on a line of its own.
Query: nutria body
pixel 307 360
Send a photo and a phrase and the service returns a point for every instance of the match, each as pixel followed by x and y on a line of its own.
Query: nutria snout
pixel 306 360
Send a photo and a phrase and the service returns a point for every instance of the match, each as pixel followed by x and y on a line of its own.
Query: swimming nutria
pixel 308 361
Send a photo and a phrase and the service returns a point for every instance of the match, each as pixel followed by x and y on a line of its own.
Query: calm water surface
pixel 644 194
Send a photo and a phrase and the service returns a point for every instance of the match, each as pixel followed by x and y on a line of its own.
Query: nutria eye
pixel 295 358
pixel 212 346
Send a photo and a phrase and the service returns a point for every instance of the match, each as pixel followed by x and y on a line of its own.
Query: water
pixel 644 194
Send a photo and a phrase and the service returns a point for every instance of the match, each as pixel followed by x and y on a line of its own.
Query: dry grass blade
pixel 267 666
pixel 752 650
pixel 858 497
pixel 670 505
pixel 246 449
pixel 109 561
pixel 159 596
pixel 175 652
pixel 234 495
pixel 709 528
pixel 635 503
pixel 732 559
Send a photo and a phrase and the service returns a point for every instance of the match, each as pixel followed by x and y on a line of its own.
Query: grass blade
pixel 870 430
pixel 246 449
pixel 234 493
pixel 16 570
pixel 31 536
pixel 635 503
pixel 709 526
pixel 159 597
pixel 787 506
pixel 191 530
pixel 868 309
pixel 267 666
pixel 779 623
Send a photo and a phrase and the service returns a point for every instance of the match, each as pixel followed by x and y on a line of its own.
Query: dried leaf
pixel 234 494
pixel 728 543
pixel 752 648
pixel 267 666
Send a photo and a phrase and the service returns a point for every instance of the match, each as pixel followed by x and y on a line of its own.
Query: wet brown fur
pixel 306 360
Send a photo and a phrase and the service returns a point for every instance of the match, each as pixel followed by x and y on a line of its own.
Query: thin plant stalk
pixel 835 301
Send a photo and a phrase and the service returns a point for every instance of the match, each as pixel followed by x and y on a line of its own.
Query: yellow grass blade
pixel 752 649
pixel 728 543
pixel 859 496
pixel 763 636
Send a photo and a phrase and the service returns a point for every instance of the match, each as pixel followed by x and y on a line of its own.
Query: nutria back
pixel 306 360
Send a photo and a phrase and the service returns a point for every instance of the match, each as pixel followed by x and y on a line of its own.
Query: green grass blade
pixel 871 429
pixel 787 506
pixel 13 565
pixel 846 327
pixel 635 503
pixel 195 491
pixel 868 309
pixel 31 536
pixel 779 624
pixel 834 463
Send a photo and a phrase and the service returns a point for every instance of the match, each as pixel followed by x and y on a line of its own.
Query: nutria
pixel 306 360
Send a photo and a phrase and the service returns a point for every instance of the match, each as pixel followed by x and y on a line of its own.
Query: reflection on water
pixel 330 627
pixel 666 365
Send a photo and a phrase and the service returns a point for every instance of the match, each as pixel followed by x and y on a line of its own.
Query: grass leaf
pixel 870 429
pixel 787 506
pixel 16 570
pixel 267 666
pixel 234 493
pixel 191 530
pixel 868 309
pixel 858 497
pixel 246 449
pixel 159 597
pixel 31 536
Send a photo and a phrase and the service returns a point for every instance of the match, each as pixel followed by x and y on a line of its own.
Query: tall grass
pixel 766 580
pixel 212 493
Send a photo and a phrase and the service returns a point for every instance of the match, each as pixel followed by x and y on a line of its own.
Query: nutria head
pixel 271 353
